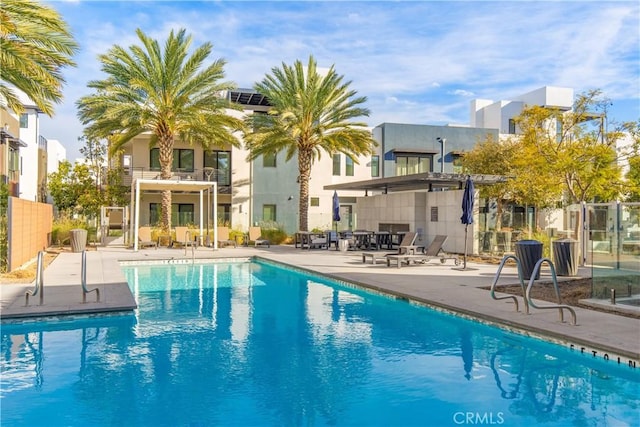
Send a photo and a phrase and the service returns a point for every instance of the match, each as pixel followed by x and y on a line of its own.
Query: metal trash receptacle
pixel 529 252
pixel 343 245
pixel 565 257
pixel 78 239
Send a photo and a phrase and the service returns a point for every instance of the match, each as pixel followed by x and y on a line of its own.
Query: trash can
pixel 565 257
pixel 78 239
pixel 343 245
pixel 529 252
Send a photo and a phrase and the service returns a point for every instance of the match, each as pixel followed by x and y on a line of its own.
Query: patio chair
pixel 224 239
pixel 184 237
pixel 406 247
pixel 144 238
pixel 255 236
pixel 333 237
pixel 319 241
pixel 434 250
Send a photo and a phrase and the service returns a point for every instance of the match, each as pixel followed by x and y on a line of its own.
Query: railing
pixel 221 176
pixel 526 293
pixel 83 276
pixel 39 290
pixel 558 306
pixel 520 276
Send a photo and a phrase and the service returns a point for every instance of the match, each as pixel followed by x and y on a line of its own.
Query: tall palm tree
pixel 35 44
pixel 162 92
pixel 310 114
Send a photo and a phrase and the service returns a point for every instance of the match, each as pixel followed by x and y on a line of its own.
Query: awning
pixel 421 181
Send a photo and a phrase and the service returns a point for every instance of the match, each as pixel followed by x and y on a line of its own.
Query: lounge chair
pixel 144 238
pixel 255 236
pixel 184 237
pixel 224 239
pixel 407 246
pixel 434 250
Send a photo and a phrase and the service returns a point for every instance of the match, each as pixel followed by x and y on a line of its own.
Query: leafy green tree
pixel 311 113
pixel 162 91
pixel 632 193
pixel 74 191
pixel 493 157
pixel 566 151
pixel 35 44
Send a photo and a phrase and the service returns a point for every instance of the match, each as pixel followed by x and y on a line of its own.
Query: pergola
pixel 183 186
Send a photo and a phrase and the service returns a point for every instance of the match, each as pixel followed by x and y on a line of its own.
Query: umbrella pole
pixel 466 226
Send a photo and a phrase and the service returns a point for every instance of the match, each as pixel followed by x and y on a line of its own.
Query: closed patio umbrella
pixel 467 213
pixel 336 209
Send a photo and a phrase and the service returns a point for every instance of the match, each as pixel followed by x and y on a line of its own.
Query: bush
pixel 61 233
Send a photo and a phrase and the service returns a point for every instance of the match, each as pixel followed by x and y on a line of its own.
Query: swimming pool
pixel 252 343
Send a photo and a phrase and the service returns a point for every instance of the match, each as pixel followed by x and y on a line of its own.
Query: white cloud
pixel 416 62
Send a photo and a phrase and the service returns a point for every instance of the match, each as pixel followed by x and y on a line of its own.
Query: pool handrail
pixel 522 286
pixel 561 307
pixel 83 275
pixel 39 290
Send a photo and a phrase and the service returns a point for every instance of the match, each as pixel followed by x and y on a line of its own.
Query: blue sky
pixel 416 62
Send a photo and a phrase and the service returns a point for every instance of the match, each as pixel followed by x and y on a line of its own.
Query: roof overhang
pixel 6 135
pixel 421 181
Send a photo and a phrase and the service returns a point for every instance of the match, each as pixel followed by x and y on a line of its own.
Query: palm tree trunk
pixel 165 146
pixel 304 170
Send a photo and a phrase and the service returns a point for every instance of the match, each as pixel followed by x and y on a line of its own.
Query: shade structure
pixel 467 213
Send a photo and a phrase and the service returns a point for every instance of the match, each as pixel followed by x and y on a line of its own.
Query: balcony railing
pixel 206 174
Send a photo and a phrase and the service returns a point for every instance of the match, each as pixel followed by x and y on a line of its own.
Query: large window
pixel 224 214
pixel 220 161
pixel 348 166
pixel 24 120
pixel 409 165
pixel 336 165
pixel 269 213
pixel 269 160
pixel 182 160
pixel 375 166
pixel 181 213
pixel 512 126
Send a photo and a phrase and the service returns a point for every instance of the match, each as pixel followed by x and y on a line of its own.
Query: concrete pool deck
pixel 597 334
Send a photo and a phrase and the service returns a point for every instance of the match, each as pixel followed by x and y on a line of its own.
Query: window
pixel 224 213
pixel 409 165
pixel 181 213
pixel 559 129
pixel 24 120
pixel 314 201
pixel 512 126
pixel 269 160
pixel 182 160
pixel 220 161
pixel 375 166
pixel 269 213
pixel 348 166
pixel 336 165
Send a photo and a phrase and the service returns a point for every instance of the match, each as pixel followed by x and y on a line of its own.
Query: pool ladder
pixel 39 290
pixel 83 276
pixel 526 292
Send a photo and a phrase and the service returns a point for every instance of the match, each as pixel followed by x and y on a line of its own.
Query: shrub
pixel 61 233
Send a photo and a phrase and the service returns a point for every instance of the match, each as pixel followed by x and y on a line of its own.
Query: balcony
pixel 220 176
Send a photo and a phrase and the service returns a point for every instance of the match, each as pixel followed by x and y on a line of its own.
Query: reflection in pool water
pixel 256 344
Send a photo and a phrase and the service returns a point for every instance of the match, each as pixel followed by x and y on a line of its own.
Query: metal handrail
pixel 83 276
pixel 39 290
pixel 559 306
pixel 188 241
pixel 520 277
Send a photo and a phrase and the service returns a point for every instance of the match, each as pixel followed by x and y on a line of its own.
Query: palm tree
pixel 164 93
pixel 35 44
pixel 309 114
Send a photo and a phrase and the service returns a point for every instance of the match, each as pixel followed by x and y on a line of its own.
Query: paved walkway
pixel 437 284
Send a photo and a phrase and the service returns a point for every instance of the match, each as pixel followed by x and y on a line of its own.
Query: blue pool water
pixel 256 344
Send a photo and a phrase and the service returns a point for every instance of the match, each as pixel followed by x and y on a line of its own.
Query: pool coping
pixel 601 335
